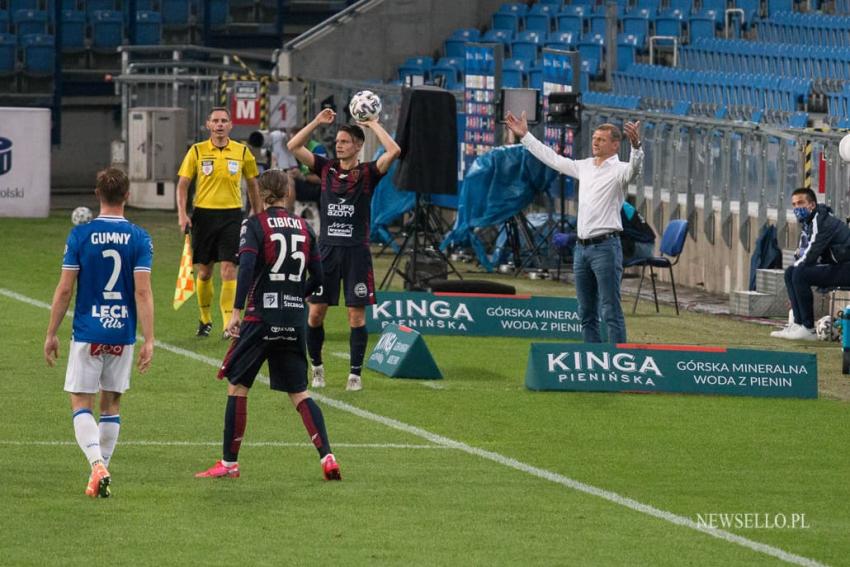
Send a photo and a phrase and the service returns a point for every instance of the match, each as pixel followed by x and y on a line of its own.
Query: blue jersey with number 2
pixel 106 252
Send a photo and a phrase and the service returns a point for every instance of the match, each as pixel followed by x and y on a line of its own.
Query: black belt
pixel 597 239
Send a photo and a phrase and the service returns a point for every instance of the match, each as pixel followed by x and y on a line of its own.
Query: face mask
pixel 802 213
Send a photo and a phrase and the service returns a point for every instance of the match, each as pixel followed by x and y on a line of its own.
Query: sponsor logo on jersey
pixel 97 349
pixel 207 166
pixel 340 210
pixel 110 316
pixel 270 301
pixel 341 229
pixel 232 166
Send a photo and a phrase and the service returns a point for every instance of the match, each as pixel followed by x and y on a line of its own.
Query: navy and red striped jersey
pixel 346 201
pixel 281 250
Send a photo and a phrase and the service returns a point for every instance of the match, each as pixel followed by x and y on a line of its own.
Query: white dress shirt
pixel 603 187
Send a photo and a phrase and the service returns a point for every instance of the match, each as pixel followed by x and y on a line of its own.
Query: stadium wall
pixel 88 127
pixel 371 45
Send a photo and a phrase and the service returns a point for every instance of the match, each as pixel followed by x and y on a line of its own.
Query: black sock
pixel 357 343
pixel 235 418
pixel 314 421
pixel 315 340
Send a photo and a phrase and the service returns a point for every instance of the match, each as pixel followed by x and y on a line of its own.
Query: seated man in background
pixel 822 260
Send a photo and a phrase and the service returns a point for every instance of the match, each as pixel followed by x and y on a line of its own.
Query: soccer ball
pixel 81 215
pixel 844 148
pixel 364 106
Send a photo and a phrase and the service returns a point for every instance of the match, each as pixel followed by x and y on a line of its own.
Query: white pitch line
pixel 508 462
pixel 151 443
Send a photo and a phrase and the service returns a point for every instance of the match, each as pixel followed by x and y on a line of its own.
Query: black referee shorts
pixel 215 235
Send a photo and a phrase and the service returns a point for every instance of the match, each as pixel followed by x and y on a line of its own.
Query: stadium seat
pixel 505 21
pixel 505 37
pixel 4 21
pixel 8 54
pixel 73 31
pixel 219 13
pixel 540 18
pixel 562 38
pixel 39 54
pixel 524 50
pixel 626 56
pixel 513 78
pixel 448 76
pixel 572 23
pixel 175 13
pixel 29 22
pixel 148 28
pixel 700 26
pixel 107 30
pixel 15 5
pixel 93 6
pixel 672 244
pixel 636 24
pixel 535 77
pixel 775 6
pixel 454 46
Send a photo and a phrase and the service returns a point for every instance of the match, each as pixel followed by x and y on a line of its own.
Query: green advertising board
pixel 401 353
pixel 671 368
pixel 476 314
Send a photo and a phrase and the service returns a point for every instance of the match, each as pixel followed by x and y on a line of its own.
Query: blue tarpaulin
pixel 498 185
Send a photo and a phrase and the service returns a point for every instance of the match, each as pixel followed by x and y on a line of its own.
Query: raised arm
pixel 297 145
pixel 392 150
pixel 632 131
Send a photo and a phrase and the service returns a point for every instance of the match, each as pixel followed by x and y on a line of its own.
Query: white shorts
pixel 93 367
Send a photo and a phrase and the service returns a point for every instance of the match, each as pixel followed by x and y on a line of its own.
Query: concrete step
pixel 757 304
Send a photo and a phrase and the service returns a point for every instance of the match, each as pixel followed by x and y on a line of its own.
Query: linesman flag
pixel 185 276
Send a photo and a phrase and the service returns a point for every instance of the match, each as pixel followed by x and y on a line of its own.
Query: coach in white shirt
pixel 598 257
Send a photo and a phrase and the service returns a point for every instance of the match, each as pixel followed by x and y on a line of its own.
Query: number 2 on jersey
pixel 294 253
pixel 113 279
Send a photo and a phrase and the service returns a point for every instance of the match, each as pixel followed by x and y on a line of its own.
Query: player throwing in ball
pixel 276 252
pixel 347 188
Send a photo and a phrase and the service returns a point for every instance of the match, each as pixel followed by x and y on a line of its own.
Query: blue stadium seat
pixel 148 28
pixel 670 23
pixel 626 56
pixel 513 78
pixel 519 64
pixel 535 77
pixel 636 24
pixel 8 54
pixel 598 24
pixel 29 22
pixel 15 5
pixel 39 51
pixel 448 75
pixel 700 26
pixel 541 22
pixel 774 6
pixel 175 13
pixel 518 8
pixel 505 37
pixel 4 21
pixel 592 52
pixel 219 13
pixel 572 23
pixel 73 31
pixel 505 21
pixel 107 30
pixel 93 6
pixel 454 46
pixel 562 40
pixel 72 5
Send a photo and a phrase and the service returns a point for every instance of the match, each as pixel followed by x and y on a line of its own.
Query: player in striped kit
pixel 277 250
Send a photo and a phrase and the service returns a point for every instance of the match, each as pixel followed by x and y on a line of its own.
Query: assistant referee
pixel 217 165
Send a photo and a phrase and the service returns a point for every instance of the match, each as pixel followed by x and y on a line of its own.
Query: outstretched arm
pixel 519 126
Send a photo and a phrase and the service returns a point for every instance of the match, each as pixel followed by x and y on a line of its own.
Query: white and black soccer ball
pixel 365 106
pixel 81 215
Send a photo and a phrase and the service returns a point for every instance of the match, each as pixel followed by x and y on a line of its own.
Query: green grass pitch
pixel 474 471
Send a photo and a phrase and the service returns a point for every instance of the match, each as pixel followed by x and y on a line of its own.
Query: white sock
pixel 88 436
pixel 109 427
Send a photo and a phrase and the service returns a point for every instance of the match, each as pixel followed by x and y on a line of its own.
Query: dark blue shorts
pixel 352 265
pixel 258 342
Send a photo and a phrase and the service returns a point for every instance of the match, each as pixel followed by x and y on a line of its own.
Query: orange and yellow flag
pixel 185 276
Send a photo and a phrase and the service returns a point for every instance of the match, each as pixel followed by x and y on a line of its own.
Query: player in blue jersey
pixel 110 259
pixel 276 252
pixel 345 206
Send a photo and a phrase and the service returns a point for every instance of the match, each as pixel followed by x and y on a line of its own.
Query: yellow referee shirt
pixel 218 173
